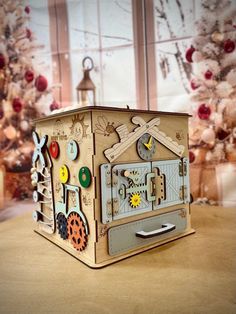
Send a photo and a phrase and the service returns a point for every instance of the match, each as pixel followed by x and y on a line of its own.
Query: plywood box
pixel 111 182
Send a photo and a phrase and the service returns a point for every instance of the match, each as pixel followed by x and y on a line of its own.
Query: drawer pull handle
pixel 164 229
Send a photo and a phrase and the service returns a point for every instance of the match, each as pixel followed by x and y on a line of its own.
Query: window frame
pixel 144 52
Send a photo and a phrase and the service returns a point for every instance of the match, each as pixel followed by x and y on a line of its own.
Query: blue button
pixel 72 150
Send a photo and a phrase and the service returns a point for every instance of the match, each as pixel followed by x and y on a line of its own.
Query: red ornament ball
pixel 29 76
pixel 208 75
pixel 54 106
pixel 27 9
pixel 191 156
pixel 204 112
pixel 1 114
pixel 41 83
pixel 28 33
pixel 189 54
pixel 229 46
pixel 17 105
pixel 2 61
pixel 194 84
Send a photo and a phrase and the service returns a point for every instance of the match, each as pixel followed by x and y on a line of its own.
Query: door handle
pixel 165 228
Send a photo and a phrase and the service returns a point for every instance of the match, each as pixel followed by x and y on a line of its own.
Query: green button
pixel 85 177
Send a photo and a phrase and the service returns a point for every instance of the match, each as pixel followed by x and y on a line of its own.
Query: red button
pixel 54 149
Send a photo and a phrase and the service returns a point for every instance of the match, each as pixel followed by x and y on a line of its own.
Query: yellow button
pixel 64 174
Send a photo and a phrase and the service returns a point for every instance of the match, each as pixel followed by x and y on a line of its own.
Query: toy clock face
pixel 146 146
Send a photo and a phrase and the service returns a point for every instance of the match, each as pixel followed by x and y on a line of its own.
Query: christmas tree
pixel 213 84
pixel 24 90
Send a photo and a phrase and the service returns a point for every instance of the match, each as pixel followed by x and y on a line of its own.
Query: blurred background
pixel 177 55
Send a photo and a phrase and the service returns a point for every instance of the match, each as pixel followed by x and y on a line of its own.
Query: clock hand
pixel 146 145
pixel 150 141
pixel 149 144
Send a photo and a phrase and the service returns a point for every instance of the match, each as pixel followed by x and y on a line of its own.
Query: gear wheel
pixel 135 200
pixel 62 226
pixel 76 231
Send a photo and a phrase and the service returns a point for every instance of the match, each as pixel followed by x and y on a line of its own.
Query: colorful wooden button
pixel 84 177
pixel 72 150
pixel 36 176
pixel 64 174
pixel 54 149
pixel 36 196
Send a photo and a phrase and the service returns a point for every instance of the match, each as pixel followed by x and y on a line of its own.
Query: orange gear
pixel 76 231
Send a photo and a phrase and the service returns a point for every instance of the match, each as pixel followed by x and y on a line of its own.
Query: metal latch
pixel 182 169
pixel 115 204
pixel 109 208
pixel 183 192
pixel 114 178
pixel 108 178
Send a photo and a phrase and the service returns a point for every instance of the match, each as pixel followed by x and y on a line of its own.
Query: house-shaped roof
pixel 150 127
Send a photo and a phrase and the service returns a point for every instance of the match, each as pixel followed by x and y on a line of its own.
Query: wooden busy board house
pixel 111 182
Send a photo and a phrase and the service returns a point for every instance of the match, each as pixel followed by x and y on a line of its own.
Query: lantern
pixel 86 88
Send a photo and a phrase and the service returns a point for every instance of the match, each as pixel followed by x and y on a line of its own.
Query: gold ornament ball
pixel 10 132
pixel 217 37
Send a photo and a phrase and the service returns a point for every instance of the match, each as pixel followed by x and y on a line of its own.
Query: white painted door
pixel 173 182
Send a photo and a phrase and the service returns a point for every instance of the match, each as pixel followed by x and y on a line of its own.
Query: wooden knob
pixel 33 170
pixel 126 173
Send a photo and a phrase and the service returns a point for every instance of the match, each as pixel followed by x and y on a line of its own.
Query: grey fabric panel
pixel 122 238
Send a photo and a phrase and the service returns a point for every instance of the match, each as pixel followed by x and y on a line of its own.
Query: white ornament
pixel 208 136
pixel 24 125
